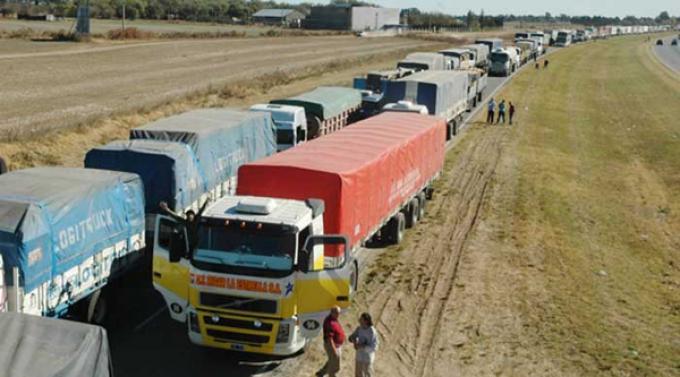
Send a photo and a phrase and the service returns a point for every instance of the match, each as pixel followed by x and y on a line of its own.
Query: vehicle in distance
pixel 503 62
pixel 423 61
pixel 271 261
pixel 563 38
pixel 491 43
pixel 290 123
pixel 659 42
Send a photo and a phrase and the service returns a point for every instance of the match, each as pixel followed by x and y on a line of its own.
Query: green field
pixel 587 208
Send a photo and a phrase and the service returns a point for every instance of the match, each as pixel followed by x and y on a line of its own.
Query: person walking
pixel 511 112
pixel 333 338
pixel 190 220
pixel 501 112
pixel 491 111
pixel 3 166
pixel 365 340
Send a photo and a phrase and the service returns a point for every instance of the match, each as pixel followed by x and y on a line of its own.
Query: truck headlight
pixel 193 323
pixel 283 334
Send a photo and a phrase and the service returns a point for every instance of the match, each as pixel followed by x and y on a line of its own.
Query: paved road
pixel 669 55
pixel 146 342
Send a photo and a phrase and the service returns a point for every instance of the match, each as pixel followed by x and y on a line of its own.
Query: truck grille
pixel 228 336
pixel 238 323
pixel 238 303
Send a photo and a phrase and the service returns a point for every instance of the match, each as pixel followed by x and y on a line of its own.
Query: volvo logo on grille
pixel 215 318
pixel 311 324
pixel 257 324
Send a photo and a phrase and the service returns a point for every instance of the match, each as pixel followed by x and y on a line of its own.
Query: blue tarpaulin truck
pixel 65 233
pixel 184 158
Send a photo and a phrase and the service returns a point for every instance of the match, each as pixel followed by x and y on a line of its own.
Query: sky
pixel 610 8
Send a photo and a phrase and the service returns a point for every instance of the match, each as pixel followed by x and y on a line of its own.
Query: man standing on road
pixel 491 112
pixel 501 112
pixel 365 340
pixel 333 337
pixel 511 112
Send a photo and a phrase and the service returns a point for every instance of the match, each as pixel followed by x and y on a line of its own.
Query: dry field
pixel 46 88
pixel 552 247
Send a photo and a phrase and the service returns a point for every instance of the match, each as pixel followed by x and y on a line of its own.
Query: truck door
pixel 320 288
pixel 171 265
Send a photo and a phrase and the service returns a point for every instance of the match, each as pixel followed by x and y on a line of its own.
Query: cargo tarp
pixel 53 219
pixel 438 90
pixel 221 139
pixel 432 60
pixel 363 172
pixel 325 102
pixel 169 170
pixel 44 347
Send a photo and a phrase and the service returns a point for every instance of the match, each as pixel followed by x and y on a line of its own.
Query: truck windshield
pixel 499 58
pixel 285 136
pixel 245 250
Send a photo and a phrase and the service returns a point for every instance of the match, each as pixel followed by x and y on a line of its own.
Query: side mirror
pixel 338 244
pixel 178 245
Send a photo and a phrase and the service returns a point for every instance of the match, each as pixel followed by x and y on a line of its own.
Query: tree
pixel 663 17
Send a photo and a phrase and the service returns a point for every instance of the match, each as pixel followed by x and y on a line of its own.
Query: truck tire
pixel 411 213
pixel 422 202
pixel 429 193
pixel 313 127
pixel 480 95
pixel 96 307
pixel 397 227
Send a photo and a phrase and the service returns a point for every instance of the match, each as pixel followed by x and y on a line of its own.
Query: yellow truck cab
pixel 257 280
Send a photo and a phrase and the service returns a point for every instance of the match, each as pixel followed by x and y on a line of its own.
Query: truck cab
pixel 406 107
pixel 290 123
pixel 255 277
pixel 503 62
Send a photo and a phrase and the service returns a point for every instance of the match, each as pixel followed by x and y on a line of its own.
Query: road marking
pixel 150 318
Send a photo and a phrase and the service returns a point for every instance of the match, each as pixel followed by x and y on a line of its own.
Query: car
pixel 659 42
pixel 674 43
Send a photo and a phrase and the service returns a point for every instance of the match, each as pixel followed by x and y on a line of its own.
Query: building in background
pixel 351 18
pixel 279 17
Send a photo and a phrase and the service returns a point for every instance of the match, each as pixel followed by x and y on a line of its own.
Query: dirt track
pixel 51 89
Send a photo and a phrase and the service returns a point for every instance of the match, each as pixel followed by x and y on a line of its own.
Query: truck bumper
pixel 244 333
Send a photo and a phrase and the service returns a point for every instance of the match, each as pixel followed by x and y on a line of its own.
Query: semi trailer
pixel 492 43
pixel 185 159
pixel 480 55
pixel 423 61
pixel 543 41
pixel 478 80
pixel 439 93
pixel 65 234
pixel 460 58
pixel 327 108
pixel 271 261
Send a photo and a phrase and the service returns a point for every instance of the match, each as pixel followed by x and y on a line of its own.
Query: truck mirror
pixel 337 240
pixel 178 245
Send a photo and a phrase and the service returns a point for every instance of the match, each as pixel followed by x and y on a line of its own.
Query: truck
pixel 65 235
pixel 480 55
pixel 290 123
pixel 492 43
pixel 374 85
pixel 503 62
pixel 327 108
pixel 423 61
pixel 439 93
pixel 477 84
pixel 272 260
pixel 528 49
pixel 187 158
pixel 460 58
pixel 46 347
pixel 543 41
pixel 551 36
pixel 523 54
pixel 563 38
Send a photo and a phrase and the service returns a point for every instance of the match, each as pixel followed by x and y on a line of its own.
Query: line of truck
pixel 297 185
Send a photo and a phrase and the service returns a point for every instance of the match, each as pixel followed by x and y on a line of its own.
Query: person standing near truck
pixel 501 112
pixel 511 112
pixel 333 338
pixel 491 111
pixel 365 340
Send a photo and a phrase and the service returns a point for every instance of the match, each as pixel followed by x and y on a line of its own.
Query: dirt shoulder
pixel 551 247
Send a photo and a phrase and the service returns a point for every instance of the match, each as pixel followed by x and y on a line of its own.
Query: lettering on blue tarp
pixel 74 234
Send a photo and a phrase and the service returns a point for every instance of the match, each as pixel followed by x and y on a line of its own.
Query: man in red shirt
pixel 333 337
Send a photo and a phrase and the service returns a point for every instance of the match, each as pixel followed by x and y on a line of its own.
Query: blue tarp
pixel 53 219
pixel 169 170
pixel 221 140
pixel 438 90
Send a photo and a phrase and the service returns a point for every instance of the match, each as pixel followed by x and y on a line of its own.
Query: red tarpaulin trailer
pixel 364 173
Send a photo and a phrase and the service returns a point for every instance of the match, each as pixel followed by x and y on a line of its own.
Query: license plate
pixel 237 347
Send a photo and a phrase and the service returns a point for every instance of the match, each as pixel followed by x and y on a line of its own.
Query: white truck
pixel 290 123
pixel 503 62
pixel 542 40
pixel 460 58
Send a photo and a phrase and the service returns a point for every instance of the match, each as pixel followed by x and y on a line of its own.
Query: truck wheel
pixel 96 307
pixel 354 278
pixel 411 213
pixel 421 205
pixel 397 227
pixel 429 193
pixel 480 95
pixel 453 128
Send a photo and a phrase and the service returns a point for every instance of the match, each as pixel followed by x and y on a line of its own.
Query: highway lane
pixel 669 55
pixel 146 342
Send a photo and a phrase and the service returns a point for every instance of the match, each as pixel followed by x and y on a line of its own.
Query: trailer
pixel 491 43
pixel 44 347
pixel 186 158
pixel 527 50
pixel 480 55
pixel 439 93
pixel 503 62
pixel 327 108
pixel 461 58
pixel 423 61
pixel 478 80
pixel 273 260
pixel 65 234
